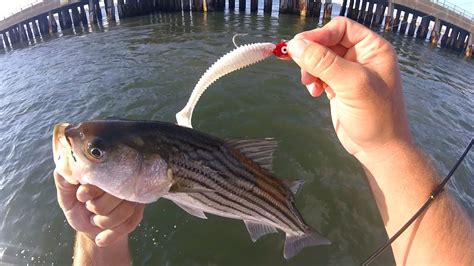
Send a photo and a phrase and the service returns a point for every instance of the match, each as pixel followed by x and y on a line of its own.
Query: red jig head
pixel 281 51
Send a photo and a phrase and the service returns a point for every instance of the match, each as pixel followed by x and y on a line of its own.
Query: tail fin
pixel 295 243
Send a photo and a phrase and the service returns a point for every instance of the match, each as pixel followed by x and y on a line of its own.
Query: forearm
pixel 86 252
pixel 401 179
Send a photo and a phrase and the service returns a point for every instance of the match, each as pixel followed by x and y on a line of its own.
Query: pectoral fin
pixel 256 230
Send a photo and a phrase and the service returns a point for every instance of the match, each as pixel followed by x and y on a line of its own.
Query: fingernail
pixel 88 205
pixel 310 88
pixel 98 240
pixel 296 47
pixel 92 220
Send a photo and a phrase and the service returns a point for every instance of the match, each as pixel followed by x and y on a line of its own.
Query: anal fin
pixel 256 230
pixel 193 211
pixel 295 243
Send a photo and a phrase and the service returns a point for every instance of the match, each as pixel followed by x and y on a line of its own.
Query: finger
pixel 104 204
pixel 339 50
pixel 109 236
pixel 88 192
pixel 66 192
pixel 322 62
pixel 307 78
pixel 340 30
pixel 118 216
pixel 315 88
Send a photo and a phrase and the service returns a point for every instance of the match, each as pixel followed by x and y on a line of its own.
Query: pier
pixel 432 20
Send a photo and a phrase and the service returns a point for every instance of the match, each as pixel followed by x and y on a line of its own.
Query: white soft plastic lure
pixel 236 59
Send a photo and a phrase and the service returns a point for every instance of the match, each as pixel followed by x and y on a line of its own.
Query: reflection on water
pixel 145 68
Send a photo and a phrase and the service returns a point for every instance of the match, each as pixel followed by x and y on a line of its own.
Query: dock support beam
pixel 370 13
pixel 468 52
pixel 411 29
pixel 242 4
pixel 423 28
pixel 92 12
pixel 435 32
pixel 76 17
pixel 355 10
pixel 110 9
pixel 388 18
pixel 83 15
pixel 327 10
pixel 29 32
pixel 53 26
pixel 267 6
pixel 254 5
pixel 1 42
pixel 396 21
pixel 342 12
pixel 362 12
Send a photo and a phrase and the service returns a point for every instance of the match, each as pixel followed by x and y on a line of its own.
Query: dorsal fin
pixel 257 150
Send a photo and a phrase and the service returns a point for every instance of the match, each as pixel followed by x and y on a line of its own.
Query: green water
pixel 145 68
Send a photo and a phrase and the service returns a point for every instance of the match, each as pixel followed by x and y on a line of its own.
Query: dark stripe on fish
pixel 254 200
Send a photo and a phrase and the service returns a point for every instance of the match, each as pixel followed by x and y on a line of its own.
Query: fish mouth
pixel 62 152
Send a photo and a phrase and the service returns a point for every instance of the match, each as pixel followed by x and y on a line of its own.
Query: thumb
pixel 323 63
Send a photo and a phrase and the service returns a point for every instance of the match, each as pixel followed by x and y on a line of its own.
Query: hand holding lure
pixel 236 59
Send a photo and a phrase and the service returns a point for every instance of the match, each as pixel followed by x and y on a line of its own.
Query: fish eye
pixel 96 149
pixel 284 50
pixel 96 153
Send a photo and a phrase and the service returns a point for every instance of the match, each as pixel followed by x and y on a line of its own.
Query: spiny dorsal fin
pixel 294 185
pixel 256 230
pixel 257 150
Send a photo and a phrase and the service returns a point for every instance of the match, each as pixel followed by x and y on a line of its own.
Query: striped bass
pixel 143 161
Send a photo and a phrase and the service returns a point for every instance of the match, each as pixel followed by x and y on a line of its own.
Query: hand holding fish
pixel 100 219
pixel 358 69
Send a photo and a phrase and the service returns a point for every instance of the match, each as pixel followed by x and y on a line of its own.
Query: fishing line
pixel 432 197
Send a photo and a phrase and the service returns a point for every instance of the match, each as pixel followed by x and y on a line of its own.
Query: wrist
pixel 389 152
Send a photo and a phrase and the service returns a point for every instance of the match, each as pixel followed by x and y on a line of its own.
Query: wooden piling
pixel 411 29
pixel 1 42
pixel 388 18
pixel 67 18
pixel 29 32
pixel 369 14
pixel 396 21
pixel 110 9
pixel 350 9
pixel 327 10
pixel 404 24
pixel 232 5
pixel 76 17
pixel 186 5
pixel 459 42
pixel 21 31
pixel 83 15
pixel 468 51
pixel 198 5
pixel 53 26
pixel 34 26
pixel 98 10
pixel 92 13
pixel 435 32
pixel 362 12
pixel 267 6
pixel 242 5
pixel 43 25
pixel 253 5
pixel 423 28
pixel 342 12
